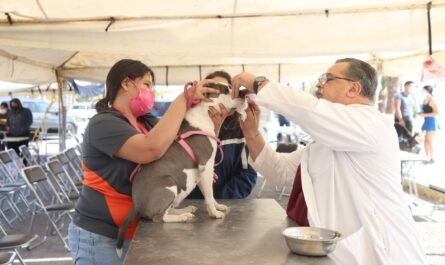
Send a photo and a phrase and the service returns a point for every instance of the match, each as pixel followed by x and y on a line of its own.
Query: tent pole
pixel 166 76
pixel 430 45
pixel 62 113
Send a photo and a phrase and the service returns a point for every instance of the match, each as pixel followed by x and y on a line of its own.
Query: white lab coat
pixel 350 177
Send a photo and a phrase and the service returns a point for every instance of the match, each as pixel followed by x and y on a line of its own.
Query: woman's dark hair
pixel 222 74
pixel 4 104
pixel 428 89
pixel 17 102
pixel 118 72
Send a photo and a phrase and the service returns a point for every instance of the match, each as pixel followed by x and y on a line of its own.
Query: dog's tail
pixel 121 235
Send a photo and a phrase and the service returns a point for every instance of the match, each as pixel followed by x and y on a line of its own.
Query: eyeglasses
pixel 326 77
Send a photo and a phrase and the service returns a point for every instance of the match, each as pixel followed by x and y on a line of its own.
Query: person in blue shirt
pixel 236 178
pixel 405 107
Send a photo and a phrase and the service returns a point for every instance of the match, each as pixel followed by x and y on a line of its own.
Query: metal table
pixel 407 160
pixel 249 234
pixel 14 139
pixel 9 139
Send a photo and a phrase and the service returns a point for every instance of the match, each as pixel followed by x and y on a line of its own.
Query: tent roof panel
pixel 56 9
pixel 51 57
pixel 262 32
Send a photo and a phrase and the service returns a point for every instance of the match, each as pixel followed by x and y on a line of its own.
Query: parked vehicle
pixel 51 124
pixel 82 112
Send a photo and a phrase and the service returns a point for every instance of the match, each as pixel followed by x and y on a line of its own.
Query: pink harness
pixel 180 138
pixel 141 130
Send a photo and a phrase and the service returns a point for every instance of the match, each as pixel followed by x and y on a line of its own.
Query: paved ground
pixel 430 221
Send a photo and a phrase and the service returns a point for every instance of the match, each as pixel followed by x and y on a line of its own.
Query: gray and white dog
pixel 160 186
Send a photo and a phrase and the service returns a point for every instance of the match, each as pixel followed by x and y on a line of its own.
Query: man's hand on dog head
pixel 242 80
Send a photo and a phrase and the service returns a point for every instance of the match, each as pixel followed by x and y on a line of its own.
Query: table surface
pixel 407 156
pixel 14 139
pixel 249 234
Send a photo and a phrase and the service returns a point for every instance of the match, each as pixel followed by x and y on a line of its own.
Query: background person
pixel 348 178
pixel 118 138
pixel 236 178
pixel 3 115
pixel 430 124
pixel 18 124
pixel 283 121
pixel 405 107
pixel 4 109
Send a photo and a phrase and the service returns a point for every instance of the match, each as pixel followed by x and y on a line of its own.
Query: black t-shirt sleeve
pixel 108 132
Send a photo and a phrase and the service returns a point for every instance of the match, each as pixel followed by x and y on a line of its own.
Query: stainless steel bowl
pixel 311 241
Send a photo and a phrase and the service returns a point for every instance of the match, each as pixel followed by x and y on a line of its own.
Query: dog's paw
pixel 217 215
pixel 188 217
pixel 181 218
pixel 221 207
pixel 191 209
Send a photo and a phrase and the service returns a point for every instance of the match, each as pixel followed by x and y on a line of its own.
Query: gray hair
pixel 364 73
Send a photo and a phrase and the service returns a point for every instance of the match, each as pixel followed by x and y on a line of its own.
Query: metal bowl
pixel 311 241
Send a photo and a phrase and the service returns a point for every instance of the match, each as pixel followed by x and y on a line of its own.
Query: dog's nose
pixel 242 93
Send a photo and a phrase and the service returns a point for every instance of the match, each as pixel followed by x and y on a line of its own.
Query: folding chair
pixel 6 196
pixel 63 180
pixel 74 159
pixel 77 139
pixel 281 148
pixel 68 167
pixel 11 182
pixel 15 157
pixel 56 210
pixel 286 147
pixel 78 145
pixel 79 149
pixel 11 166
pixel 24 150
pixel 10 243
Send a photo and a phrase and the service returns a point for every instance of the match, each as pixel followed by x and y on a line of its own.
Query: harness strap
pixel 189 98
pixel 141 129
pixel 180 139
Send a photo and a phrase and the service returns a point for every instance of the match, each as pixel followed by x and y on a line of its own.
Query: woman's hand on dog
pixel 218 117
pixel 202 91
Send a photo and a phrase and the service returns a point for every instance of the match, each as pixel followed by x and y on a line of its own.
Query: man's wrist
pixel 258 83
pixel 252 136
pixel 263 84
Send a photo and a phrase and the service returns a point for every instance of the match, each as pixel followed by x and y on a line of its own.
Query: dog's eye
pixel 211 95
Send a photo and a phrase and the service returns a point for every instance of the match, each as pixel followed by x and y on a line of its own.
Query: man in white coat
pixel 350 174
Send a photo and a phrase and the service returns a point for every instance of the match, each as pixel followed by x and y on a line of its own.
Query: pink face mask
pixel 142 103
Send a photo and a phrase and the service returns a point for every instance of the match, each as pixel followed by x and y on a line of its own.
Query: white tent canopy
pixel 183 40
